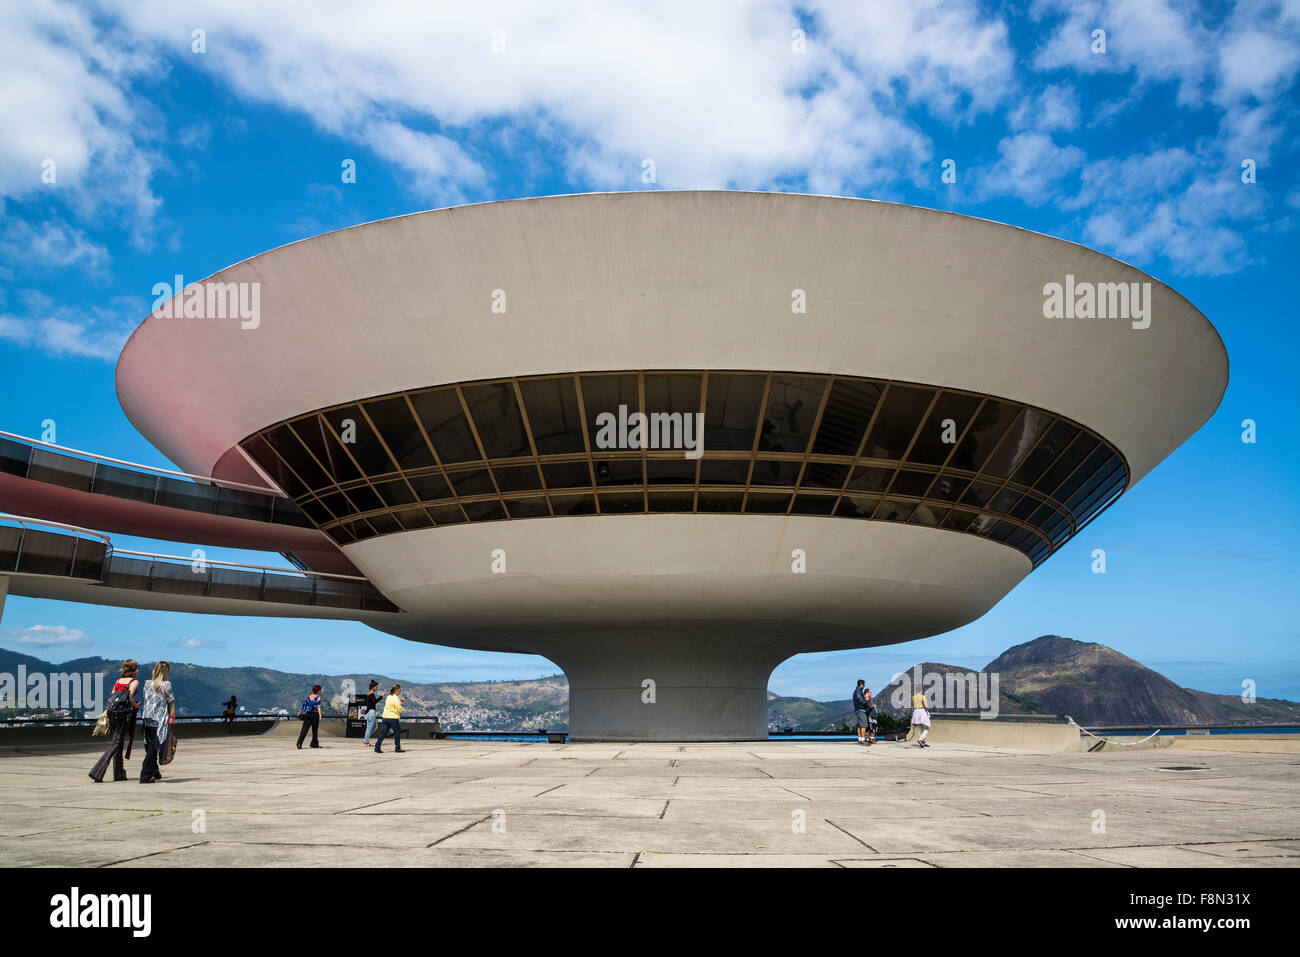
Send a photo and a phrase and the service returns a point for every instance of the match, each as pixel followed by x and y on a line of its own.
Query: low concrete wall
pixel 80 734
pixel 1100 745
pixel 290 729
pixel 1243 743
pixel 1018 735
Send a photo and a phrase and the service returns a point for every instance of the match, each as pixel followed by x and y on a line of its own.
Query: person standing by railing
pixel 228 716
pixel 157 715
pixel 121 717
pixel 392 720
pixel 310 715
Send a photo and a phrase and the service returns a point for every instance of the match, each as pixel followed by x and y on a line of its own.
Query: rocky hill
pixel 1097 685
pixel 895 697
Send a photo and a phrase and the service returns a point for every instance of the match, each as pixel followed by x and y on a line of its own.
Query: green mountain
pixel 471 705
pixel 1050 675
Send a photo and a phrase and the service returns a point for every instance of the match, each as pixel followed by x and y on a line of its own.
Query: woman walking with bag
pixel 121 717
pixel 157 715
pixel 310 715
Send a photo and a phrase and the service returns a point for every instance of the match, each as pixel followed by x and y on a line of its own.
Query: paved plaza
pixel 256 800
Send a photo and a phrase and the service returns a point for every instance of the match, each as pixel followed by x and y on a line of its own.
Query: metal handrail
pixel 262 568
pixel 24 521
pixel 368 598
pixel 203 479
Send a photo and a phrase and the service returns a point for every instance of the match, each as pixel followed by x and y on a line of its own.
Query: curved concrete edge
pixel 865 583
pixel 1018 736
pixel 899 292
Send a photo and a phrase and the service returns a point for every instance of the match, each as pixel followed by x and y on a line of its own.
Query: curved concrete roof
pixel 662 280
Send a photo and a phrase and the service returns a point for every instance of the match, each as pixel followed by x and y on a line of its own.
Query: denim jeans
pixel 370 725
pixel 395 726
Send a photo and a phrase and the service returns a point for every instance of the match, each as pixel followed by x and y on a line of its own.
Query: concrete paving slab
pixel 781 804
pixel 1198 855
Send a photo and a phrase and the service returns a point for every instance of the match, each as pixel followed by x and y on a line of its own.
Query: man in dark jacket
pixel 861 703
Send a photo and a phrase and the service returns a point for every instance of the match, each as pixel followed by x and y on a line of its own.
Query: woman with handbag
pixel 121 719
pixel 157 715
pixel 310 716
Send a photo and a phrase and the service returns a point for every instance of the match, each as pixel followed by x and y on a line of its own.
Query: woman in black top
pixel 373 699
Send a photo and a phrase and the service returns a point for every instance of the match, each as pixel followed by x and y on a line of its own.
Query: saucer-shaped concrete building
pixel 894 432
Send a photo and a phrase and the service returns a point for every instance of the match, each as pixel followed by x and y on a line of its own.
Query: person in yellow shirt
pixel 392 720
pixel 920 718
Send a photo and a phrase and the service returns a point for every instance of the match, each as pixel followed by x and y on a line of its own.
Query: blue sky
pixel 168 160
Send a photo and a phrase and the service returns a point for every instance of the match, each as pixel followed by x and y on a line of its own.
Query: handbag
pixel 101 726
pixel 168 749
pixel 119 703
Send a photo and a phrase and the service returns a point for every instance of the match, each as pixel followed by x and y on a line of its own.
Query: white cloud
pixel 712 92
pixel 190 642
pixel 438 167
pixel 1029 166
pixel 97 333
pixel 48 635
pixel 1256 64
pixel 1056 107
pixel 1168 203
pixel 63 97
pixel 51 245
pixel 1157 41
pixel 1185 203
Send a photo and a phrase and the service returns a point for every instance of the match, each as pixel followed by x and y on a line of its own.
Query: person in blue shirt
pixel 310 715
pixel 861 704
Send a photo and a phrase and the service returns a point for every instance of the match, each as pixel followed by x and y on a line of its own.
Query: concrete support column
pixel 672 684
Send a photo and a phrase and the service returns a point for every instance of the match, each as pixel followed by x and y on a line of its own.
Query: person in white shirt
pixel 157 714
